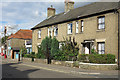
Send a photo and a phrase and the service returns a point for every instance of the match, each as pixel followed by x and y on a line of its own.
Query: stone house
pixel 16 41
pixel 94 26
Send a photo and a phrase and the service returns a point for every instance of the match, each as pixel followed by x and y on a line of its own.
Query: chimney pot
pixel 50 11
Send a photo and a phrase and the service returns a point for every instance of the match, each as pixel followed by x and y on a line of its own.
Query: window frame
pixel 82 26
pixel 101 47
pixel 77 27
pixel 102 23
pixel 69 31
pixel 56 29
pixel 39 34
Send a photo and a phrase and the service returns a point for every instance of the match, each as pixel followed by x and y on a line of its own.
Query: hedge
pixel 82 57
pixel 102 58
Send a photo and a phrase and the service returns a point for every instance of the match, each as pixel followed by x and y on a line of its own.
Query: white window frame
pixel 55 31
pixel 70 25
pixel 48 32
pixel 77 25
pixel 101 22
pixel 39 34
pixel 101 47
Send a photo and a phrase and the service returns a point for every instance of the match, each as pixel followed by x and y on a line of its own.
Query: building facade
pixel 94 26
pixel 16 41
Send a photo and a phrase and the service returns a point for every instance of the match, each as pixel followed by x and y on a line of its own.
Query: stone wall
pixel 89 66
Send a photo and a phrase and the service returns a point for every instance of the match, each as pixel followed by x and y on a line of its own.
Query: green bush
pixel 27 56
pixel 102 58
pixel 93 51
pixel 40 54
pixel 54 47
pixel 70 50
pixel 82 57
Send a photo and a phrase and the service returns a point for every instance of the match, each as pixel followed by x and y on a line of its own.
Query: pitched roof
pixel 22 34
pixel 77 13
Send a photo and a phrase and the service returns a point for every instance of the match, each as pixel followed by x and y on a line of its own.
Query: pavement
pixel 59 71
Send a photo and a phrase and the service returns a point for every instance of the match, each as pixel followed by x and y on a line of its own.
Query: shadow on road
pixel 11 71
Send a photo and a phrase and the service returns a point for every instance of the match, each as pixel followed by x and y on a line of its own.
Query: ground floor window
pixel 101 47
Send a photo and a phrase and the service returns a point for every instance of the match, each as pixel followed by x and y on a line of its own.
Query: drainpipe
pixel 118 39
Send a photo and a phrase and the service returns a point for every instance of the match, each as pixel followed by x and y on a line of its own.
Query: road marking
pixel 60 71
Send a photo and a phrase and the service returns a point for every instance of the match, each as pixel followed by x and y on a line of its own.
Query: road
pixel 18 70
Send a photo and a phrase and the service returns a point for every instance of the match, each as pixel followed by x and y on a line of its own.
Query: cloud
pixel 25 15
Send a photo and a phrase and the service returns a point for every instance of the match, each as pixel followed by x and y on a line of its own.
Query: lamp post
pixel 5 45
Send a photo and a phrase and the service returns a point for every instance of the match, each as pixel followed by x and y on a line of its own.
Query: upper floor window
pixel 77 27
pixel 55 31
pixel 39 34
pixel 49 32
pixel 101 47
pixel 70 28
pixel 101 22
pixel 82 25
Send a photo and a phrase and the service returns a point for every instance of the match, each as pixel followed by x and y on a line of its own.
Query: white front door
pixel 86 50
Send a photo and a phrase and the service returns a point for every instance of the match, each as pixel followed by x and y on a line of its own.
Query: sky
pixel 25 14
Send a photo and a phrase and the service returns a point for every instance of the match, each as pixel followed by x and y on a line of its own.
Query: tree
pixel 23 51
pixel 46 47
pixel 4 39
pixel 40 53
pixel 54 47
pixel 70 49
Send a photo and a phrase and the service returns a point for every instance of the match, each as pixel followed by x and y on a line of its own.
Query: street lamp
pixel 5 45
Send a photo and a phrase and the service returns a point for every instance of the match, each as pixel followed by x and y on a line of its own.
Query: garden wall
pixel 89 66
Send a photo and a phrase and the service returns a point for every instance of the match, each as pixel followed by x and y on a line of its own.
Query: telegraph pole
pixel 5 45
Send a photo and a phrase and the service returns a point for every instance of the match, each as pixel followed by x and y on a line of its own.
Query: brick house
pixel 16 41
pixel 94 26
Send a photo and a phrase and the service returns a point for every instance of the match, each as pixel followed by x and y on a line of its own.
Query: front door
pixel 87 48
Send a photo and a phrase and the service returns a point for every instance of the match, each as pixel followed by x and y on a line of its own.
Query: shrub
pixel 40 53
pixel 54 47
pixel 70 50
pixel 27 56
pixel 93 51
pixel 82 57
pixel 102 58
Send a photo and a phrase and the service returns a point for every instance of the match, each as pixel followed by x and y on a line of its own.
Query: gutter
pixel 118 38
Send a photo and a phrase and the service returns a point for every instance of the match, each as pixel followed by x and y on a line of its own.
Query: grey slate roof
pixel 86 10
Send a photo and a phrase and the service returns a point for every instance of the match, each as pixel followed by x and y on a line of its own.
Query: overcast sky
pixel 25 14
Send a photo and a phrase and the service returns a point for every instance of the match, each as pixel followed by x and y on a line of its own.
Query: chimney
pixel 69 5
pixel 50 11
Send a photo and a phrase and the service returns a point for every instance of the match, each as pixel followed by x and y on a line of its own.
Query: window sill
pixel 100 30
pixel 69 34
